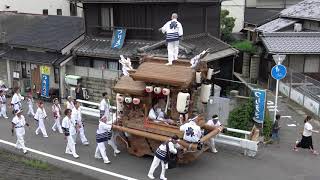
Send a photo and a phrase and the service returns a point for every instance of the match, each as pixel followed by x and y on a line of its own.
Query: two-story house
pixel 140 20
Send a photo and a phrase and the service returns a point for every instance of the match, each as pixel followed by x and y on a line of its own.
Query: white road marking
pixel 273 110
pixel 270 103
pixel 290 117
pixel 291 125
pixel 72 162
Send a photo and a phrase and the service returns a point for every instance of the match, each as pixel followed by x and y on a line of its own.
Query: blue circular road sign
pixel 278 72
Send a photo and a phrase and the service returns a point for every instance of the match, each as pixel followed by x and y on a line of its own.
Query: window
pixel 59 12
pixel 24 69
pixel 83 61
pixel 106 18
pixel 73 9
pixel 99 64
pixel 113 65
pixel 45 12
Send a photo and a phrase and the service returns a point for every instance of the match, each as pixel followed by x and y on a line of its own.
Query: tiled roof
pixel 149 1
pixel 12 23
pixel 196 43
pixel 33 57
pixel 258 16
pixel 275 25
pixel 292 42
pixel 308 9
pixel 52 33
pixel 191 46
pixel 101 47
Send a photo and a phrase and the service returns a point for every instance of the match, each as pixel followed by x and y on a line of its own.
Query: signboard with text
pixel 118 37
pixel 259 105
pixel 45 85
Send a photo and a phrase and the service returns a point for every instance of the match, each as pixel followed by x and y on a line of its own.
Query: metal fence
pixel 302 89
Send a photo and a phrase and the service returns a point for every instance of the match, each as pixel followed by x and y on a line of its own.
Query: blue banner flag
pixel 259 105
pixel 45 85
pixel 118 37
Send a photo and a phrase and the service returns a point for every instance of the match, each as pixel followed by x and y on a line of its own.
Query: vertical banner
pixel 259 105
pixel 45 85
pixel 118 37
pixel 45 75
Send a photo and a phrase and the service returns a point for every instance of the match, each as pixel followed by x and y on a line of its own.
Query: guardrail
pixel 95 112
pixel 250 147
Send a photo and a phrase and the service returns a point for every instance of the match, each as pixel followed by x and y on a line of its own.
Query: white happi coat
pixel 16 101
pixel 104 108
pixel 56 109
pixel 192 132
pixel 173 30
pixel 19 125
pixel 70 125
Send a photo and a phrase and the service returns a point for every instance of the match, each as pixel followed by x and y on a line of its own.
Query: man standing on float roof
pixel 174 31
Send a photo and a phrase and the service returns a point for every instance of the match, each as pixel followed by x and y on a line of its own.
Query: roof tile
pixel 292 42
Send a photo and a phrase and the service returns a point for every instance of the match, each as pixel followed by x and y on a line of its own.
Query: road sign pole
pixel 276 101
pixel 278 72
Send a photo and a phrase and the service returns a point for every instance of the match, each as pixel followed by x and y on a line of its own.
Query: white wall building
pixel 48 7
pixel 271 3
pixel 236 9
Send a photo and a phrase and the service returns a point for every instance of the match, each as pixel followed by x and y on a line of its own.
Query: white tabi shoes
pixel 150 176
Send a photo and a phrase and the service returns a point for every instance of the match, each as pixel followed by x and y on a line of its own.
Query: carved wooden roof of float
pixel 177 75
pixel 126 85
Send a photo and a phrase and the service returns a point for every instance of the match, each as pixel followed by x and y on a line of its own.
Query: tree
pixel 226 26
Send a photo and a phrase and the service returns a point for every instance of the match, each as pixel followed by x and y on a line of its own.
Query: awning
pixel 34 57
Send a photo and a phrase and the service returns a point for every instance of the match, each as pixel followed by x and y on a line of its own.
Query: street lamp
pixel 278 59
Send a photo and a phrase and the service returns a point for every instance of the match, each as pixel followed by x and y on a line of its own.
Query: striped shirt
pixel 173 30
pixel 161 152
pixel 104 132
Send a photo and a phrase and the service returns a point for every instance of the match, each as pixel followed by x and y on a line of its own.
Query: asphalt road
pixel 273 162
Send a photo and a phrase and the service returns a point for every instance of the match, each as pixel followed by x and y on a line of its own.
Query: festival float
pixel 177 90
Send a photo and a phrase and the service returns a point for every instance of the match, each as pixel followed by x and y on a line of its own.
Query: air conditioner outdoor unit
pixel 297 27
pixel 72 79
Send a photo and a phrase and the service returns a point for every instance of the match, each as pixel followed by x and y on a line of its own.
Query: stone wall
pixel 97 86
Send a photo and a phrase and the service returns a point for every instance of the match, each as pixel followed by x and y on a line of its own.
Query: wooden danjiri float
pixel 175 90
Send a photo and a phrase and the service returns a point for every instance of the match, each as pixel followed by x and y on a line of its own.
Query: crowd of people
pixel 71 125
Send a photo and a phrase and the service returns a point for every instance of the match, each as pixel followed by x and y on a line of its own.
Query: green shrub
pixel 36 164
pixel 241 117
pixel 267 126
pixel 245 46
